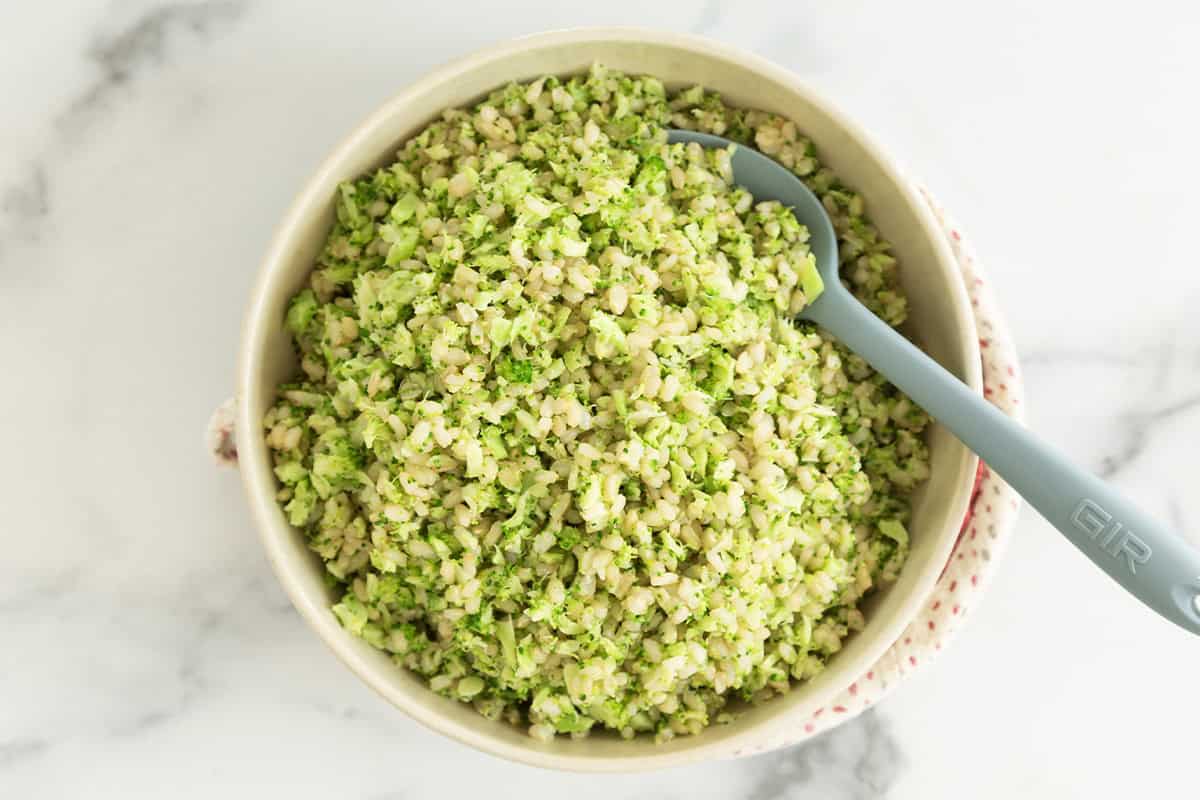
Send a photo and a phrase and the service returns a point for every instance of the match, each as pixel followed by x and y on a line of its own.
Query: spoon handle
pixel 1145 557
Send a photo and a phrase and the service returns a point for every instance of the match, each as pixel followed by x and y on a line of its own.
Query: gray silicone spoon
pixel 1150 561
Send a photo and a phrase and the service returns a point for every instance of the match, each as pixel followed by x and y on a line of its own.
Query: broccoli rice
pixel 556 436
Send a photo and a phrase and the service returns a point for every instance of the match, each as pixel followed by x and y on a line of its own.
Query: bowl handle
pixel 219 436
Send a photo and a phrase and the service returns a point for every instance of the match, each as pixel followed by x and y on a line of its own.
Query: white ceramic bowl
pixel 941 321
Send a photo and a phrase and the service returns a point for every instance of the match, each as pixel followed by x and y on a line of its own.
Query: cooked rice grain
pixel 556 437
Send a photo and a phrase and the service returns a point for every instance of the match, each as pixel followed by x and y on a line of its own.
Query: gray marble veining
pixel 1139 427
pixel 140 46
pixel 859 760
pixel 710 16
pixel 16 750
pixel 118 59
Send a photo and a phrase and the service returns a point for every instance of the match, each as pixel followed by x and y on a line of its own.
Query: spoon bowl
pixel 767 179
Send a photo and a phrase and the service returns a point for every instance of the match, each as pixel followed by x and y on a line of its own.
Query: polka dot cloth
pixel 985 531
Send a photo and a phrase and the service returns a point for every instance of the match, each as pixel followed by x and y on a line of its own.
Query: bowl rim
pixel 260 491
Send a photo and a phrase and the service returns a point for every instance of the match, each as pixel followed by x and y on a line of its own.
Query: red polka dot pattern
pixel 985 531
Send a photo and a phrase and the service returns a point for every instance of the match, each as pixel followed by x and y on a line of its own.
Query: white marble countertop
pixel 147 152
